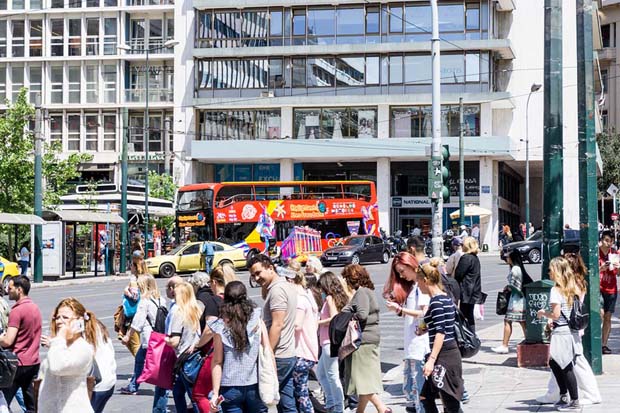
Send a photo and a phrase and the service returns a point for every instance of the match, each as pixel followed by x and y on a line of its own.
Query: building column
pixel 383 192
pixel 383 122
pixel 286 126
pixel 287 172
pixel 488 199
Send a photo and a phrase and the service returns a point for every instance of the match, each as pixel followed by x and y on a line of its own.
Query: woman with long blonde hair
pixel 184 332
pixel 565 343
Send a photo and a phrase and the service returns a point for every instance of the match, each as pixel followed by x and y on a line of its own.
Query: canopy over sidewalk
pixel 83 217
pixel 471 211
pixel 20 219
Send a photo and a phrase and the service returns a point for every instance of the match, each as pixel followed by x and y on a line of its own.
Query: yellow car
pixel 11 269
pixel 186 259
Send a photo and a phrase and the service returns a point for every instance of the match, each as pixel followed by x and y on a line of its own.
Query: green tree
pixel 162 186
pixel 17 162
pixel 609 147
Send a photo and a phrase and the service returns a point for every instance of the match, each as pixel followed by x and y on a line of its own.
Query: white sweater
pixel 63 386
pixel 106 363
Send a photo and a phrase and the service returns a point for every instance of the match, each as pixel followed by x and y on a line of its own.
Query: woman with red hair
pixel 406 300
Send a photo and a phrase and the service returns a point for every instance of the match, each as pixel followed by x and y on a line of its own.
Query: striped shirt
pixel 440 318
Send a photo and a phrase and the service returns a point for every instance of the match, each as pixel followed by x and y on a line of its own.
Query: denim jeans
pixel 138 366
pixel 160 400
pixel 413 382
pixel 285 367
pixel 19 396
pixel 329 377
pixel 181 387
pixel 242 399
pixel 100 398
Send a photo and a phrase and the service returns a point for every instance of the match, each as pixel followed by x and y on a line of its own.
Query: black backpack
pixel 466 338
pixel 160 319
pixel 578 320
pixel 8 368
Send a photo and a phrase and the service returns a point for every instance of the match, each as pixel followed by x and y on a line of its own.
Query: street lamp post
pixel 145 132
pixel 535 87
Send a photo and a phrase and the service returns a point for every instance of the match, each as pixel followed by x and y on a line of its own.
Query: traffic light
pixel 445 173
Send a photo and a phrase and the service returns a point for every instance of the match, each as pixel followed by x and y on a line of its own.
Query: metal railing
pixel 155 95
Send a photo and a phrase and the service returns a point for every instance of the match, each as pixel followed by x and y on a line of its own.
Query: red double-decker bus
pixel 249 212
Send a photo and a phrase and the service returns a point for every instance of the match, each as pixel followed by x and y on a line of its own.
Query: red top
pixel 609 284
pixel 26 317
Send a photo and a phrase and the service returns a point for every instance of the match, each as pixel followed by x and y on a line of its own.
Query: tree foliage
pixel 162 186
pixel 609 147
pixel 17 162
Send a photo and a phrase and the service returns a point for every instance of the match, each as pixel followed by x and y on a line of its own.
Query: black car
pixel 357 249
pixel 531 248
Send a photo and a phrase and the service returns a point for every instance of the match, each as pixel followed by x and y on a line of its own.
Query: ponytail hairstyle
pixel 91 325
pixel 236 312
pixel 397 286
pixel 432 276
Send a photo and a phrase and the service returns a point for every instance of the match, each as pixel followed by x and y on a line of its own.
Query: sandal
pixel 606 350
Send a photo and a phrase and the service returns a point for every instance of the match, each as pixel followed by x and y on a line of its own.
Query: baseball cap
pixel 457 241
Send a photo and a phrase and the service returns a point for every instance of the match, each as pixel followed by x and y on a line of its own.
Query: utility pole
pixel 588 209
pixel 437 205
pixel 124 134
pixel 553 203
pixel 461 167
pixel 38 192
pixel 145 139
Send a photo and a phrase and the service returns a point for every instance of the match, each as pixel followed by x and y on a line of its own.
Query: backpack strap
pixel 147 313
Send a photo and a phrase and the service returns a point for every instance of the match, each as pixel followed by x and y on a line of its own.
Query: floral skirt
pixel 516 308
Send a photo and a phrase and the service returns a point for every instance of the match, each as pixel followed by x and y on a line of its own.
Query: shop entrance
pixel 405 219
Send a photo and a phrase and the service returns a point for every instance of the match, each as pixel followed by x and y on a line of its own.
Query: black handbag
pixel 503 297
pixel 466 338
pixel 8 368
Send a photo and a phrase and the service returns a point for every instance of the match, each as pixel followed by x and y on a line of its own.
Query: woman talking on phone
pixel 69 359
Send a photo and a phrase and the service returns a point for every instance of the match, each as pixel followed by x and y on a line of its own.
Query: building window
pixel 109 36
pixel 137 34
pixel 74 84
pixel 606 35
pixel 3 4
pixel 2 38
pixel 452 68
pixel 75 4
pixel 109 132
pixel 18 39
pixel 156 35
pixel 59 4
pixel 321 26
pixel 18 4
pixel 36 38
pixel 57 41
pixel 92 3
pixel 36 4
pixel 75 37
pixel 418 69
pixel 92 128
pixel 109 83
pixel 136 134
pixel 2 82
pixel 335 123
pixel 299 26
pixel 240 124
pixel 111 3
pixel 56 129
pixel 92 84
pixel 92 37
pixel 36 80
pixel 17 80
pixel 56 80
pixel 73 128
pixel 416 121
pixel 155 134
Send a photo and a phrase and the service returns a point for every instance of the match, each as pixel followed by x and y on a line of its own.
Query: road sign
pixel 614 216
pixel 612 190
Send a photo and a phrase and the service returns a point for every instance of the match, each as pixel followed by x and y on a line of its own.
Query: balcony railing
pixel 155 95
pixel 156 46
pixel 150 2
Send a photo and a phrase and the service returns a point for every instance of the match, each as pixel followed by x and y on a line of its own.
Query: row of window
pixel 340 24
pixel 330 71
pixel 75 4
pixel 89 36
pixel 334 123
pixel 90 130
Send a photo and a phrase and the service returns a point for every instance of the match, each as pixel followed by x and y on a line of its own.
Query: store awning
pixel 82 217
pixel 20 219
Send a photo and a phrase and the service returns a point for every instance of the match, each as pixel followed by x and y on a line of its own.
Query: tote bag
pixel 268 386
pixel 159 363
pixel 352 340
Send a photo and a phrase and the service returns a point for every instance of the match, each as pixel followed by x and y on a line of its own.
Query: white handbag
pixel 268 386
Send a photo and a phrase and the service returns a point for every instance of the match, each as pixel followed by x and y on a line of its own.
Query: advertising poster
pixel 52 248
pixel 366 124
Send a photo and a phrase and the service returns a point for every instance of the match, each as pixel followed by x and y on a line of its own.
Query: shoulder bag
pixel 466 338
pixel 8 368
pixel 501 305
pixel 268 385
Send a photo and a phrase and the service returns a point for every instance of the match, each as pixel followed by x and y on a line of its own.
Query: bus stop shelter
pixel 100 238
pixel 21 219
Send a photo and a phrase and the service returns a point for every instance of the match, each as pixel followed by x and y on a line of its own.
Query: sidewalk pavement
pixel 80 279
pixel 496 384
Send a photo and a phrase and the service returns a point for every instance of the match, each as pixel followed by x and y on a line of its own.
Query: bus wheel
pixel 167 270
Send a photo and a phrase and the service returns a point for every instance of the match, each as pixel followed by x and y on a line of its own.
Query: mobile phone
pixel 220 400
pixel 78 326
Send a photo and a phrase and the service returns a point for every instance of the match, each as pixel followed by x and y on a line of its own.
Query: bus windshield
pixel 195 200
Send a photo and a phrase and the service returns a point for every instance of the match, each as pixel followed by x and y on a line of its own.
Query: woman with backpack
pixel 565 343
pixel 443 368
pixel 143 324
pixel 517 279
pixel 184 332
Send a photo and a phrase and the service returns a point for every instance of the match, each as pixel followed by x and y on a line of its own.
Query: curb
pixel 63 282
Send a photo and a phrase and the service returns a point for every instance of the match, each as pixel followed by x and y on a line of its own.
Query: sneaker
pixel 410 409
pixel 500 349
pixel 569 407
pixel 127 390
pixel 606 350
pixel 465 398
pixel 562 402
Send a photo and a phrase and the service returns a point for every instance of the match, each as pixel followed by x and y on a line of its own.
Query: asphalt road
pixel 103 298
